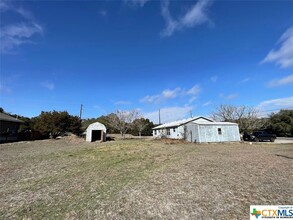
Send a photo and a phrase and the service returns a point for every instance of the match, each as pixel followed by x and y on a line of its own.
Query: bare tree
pixel 246 117
pixel 122 120
pixel 140 124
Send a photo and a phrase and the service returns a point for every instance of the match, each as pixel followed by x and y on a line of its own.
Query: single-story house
pixel 199 129
pixel 9 127
pixel 96 132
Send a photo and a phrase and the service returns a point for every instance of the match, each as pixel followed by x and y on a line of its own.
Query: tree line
pixel 55 123
pixel 248 119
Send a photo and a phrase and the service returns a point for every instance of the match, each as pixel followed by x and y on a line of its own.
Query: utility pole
pixel 191 114
pixel 159 116
pixel 80 112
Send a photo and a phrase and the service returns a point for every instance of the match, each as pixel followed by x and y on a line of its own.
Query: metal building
pixel 96 132
pixel 199 130
pixel 203 132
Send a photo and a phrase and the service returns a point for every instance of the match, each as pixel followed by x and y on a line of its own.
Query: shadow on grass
pixel 284 156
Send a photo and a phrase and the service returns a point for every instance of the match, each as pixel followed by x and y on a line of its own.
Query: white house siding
pixel 192 133
pixel 181 132
pixel 177 134
pixel 162 130
pixel 201 120
pixel 209 133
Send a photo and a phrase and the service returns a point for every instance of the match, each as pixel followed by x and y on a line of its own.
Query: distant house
pixel 199 130
pixel 9 127
pixel 96 132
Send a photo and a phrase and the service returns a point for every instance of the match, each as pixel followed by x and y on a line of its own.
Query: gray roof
pixel 180 122
pixel 5 117
pixel 214 123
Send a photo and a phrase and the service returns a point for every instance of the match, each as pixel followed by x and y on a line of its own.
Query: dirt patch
pixel 141 179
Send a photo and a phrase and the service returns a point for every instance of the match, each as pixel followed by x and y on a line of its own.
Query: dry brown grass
pixel 141 179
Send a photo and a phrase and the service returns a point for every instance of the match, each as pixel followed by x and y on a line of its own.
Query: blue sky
pixel 177 56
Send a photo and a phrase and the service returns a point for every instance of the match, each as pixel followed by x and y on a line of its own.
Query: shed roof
pixel 5 117
pixel 97 126
pixel 214 123
pixel 181 122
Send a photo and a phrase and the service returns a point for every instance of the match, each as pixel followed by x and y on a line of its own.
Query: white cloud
pixel 48 85
pixel 229 97
pixel 283 56
pixel 16 34
pixel 273 105
pixel 171 94
pixel 7 6
pixel 168 94
pixel 207 103
pixel 281 82
pixel 169 114
pixel 196 15
pixel 21 30
pixel 122 103
pixel 195 90
pixel 165 95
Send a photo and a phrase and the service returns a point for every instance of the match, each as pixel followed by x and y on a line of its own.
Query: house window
pixel 155 132
pixel 219 131
pixel 174 129
pixel 168 131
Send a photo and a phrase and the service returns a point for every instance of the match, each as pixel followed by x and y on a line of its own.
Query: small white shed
pixel 96 132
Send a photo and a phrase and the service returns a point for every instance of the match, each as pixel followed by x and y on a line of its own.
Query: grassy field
pixel 141 179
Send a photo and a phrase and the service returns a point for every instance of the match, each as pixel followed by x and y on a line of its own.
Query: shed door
pixel 96 135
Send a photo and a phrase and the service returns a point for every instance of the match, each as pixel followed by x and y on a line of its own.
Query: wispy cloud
pixel 103 13
pixel 135 3
pixel 48 85
pixel 281 82
pixel 192 99
pixel 273 105
pixel 122 102
pixel 171 94
pixel 195 90
pixel 3 6
pixel 169 114
pixel 229 97
pixel 214 79
pixel 16 34
pixel 196 15
pixel 232 96
pixel 165 95
pixel 4 88
pixel 207 103
pixel 7 6
pixel 245 80
pixel 282 56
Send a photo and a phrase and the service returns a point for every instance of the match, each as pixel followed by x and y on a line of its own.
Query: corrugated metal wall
pixel 212 133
